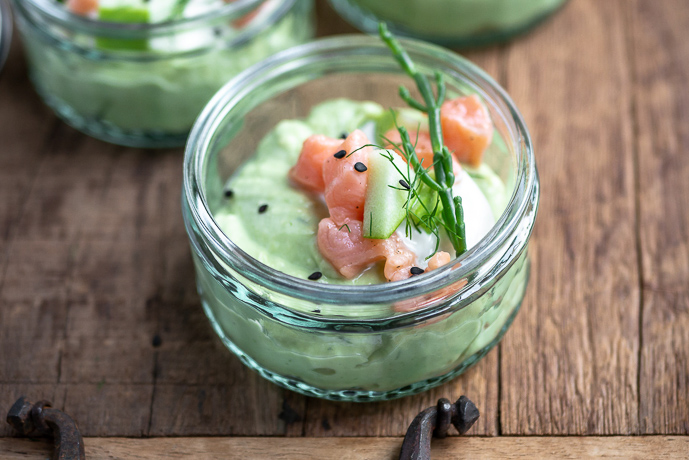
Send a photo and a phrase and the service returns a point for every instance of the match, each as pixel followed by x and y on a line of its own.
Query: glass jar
pixel 456 23
pixel 143 85
pixel 360 343
pixel 5 31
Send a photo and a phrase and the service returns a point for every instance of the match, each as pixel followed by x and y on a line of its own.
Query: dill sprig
pixel 427 218
pixel 452 214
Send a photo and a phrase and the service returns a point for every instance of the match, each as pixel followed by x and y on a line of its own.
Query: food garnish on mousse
pixel 378 212
pixel 159 11
pixel 154 11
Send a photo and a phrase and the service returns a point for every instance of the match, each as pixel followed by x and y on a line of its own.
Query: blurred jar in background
pixel 455 23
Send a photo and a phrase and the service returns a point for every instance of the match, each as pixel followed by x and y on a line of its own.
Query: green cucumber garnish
pixel 123 14
pixel 386 194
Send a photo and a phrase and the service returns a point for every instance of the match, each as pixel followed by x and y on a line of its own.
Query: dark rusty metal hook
pixel 435 421
pixel 41 419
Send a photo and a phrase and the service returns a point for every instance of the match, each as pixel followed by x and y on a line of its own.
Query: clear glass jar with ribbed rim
pixel 5 31
pixel 455 23
pixel 144 84
pixel 354 342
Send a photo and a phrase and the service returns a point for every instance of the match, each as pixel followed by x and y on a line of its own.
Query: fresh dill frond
pixel 451 215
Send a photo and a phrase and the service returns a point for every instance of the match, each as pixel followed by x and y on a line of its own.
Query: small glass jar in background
pixel 141 84
pixel 357 343
pixel 5 31
pixel 454 23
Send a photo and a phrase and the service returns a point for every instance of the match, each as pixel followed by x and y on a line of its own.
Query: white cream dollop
pixel 478 220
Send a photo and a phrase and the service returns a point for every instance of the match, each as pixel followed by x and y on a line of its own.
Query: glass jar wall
pixel 361 343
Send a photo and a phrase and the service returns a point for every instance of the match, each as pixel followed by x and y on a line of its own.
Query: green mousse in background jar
pixel 252 231
pixel 458 23
pixel 137 72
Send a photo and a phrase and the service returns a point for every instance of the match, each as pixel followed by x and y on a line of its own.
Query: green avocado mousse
pixel 139 72
pixel 449 22
pixel 352 245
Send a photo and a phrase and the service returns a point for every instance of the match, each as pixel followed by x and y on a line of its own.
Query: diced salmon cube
pixel 345 182
pixel 467 128
pixel 345 247
pixel 308 172
pixel 82 7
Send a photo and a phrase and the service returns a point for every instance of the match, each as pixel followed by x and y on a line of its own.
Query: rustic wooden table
pixel 99 313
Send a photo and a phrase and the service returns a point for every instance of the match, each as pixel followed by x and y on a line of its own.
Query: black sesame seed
pixel 340 154
pixel 263 208
pixel 416 270
pixel 359 166
pixel 404 184
pixel 229 193
pixel 157 341
pixel 344 136
pixel 315 276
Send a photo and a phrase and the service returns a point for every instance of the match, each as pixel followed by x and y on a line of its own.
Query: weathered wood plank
pixel 89 189
pixel 569 364
pixel 98 409
pixel 27 127
pixel 33 303
pixel 109 332
pixel 660 53
pixel 92 208
pixel 246 405
pixel 33 311
pixel 359 448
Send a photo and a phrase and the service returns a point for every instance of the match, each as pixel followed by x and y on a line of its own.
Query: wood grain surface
pixel 611 447
pixel 99 312
pixel 659 38
pixel 572 354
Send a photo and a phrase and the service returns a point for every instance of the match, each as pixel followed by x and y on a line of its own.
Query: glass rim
pixel 5 31
pixel 196 205
pixel 56 12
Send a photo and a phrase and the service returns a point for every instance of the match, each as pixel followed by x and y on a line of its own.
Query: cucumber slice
pixel 384 208
pixel 124 14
